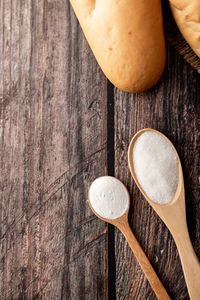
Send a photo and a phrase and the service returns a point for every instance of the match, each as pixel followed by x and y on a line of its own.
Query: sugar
pixel 156 167
pixel 108 197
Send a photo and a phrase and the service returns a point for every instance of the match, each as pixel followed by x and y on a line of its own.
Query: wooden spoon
pixel 122 224
pixel 174 216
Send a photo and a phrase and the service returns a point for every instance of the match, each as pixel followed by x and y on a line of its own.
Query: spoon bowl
pixel 174 216
pixel 179 197
pixel 117 222
pixel 122 224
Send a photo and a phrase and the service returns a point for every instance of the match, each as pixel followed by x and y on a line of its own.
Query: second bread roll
pixel 187 16
pixel 126 37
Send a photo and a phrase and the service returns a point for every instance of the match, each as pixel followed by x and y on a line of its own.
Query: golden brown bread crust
pixel 126 37
pixel 187 16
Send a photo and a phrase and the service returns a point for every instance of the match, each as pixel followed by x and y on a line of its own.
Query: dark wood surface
pixel 62 125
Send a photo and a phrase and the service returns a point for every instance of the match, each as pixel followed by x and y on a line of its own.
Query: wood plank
pixel 54 143
pixel 173 107
pixel 53 118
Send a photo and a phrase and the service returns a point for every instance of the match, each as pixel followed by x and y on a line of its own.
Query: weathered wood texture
pixel 54 123
pixel 173 107
pixel 53 144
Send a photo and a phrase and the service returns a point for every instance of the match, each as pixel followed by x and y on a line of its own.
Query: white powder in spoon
pixel 156 167
pixel 109 197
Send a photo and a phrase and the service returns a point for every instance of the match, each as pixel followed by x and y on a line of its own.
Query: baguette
pixel 187 16
pixel 126 37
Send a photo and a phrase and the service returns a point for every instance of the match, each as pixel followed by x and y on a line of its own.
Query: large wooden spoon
pixel 122 224
pixel 174 216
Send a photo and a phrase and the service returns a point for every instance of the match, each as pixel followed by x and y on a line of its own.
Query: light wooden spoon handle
pixel 190 264
pixel 145 264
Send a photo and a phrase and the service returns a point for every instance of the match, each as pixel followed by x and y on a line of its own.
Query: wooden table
pixel 62 125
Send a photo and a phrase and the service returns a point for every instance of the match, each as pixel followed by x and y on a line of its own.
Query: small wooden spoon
pixel 174 216
pixel 122 224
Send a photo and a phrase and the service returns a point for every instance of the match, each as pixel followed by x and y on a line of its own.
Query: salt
pixel 108 197
pixel 156 167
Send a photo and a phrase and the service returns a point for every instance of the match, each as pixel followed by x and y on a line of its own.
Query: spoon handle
pixel 145 264
pixel 190 264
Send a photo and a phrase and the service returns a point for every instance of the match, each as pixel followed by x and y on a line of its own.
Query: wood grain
pixel 57 116
pixel 53 133
pixel 173 108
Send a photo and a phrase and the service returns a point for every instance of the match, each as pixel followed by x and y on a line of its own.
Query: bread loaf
pixel 126 37
pixel 187 16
